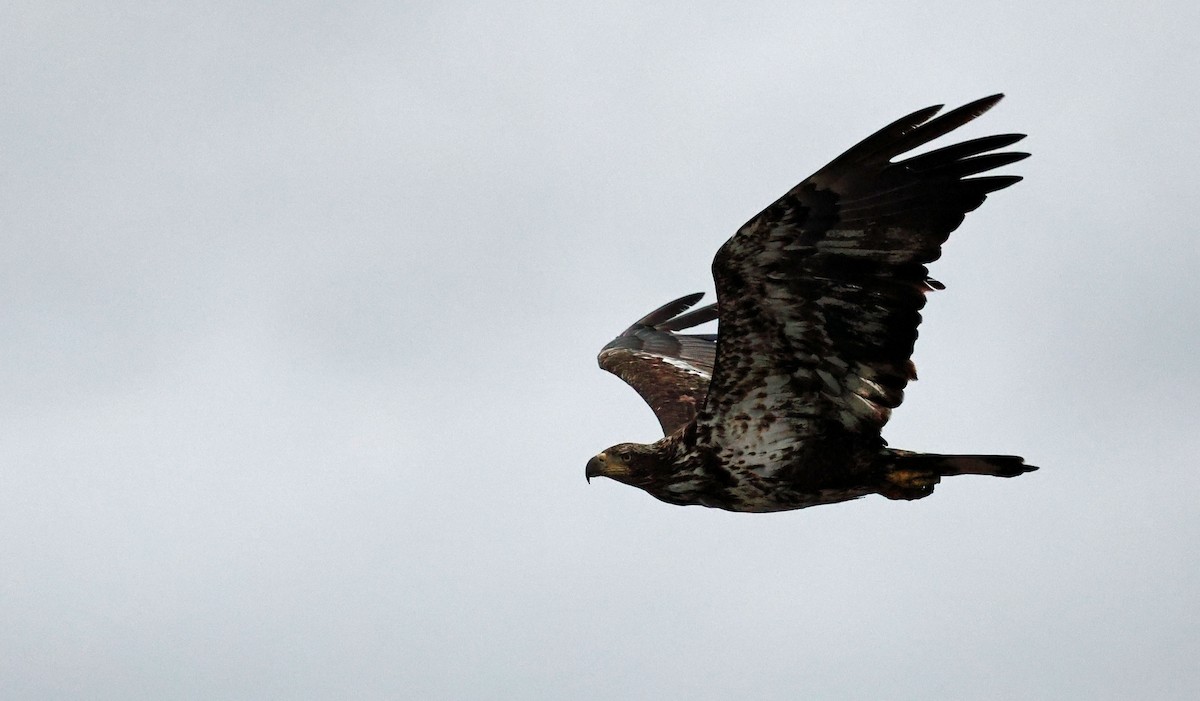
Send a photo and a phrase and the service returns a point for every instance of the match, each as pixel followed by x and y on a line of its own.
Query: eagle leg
pixel 909 484
pixel 913 475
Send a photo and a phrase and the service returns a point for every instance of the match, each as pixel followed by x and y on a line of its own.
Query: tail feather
pixel 946 465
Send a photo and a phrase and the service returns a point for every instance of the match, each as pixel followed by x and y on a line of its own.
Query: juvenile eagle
pixel 818 302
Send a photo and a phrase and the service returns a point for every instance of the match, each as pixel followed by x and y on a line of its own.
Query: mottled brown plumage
pixel 671 371
pixel 819 299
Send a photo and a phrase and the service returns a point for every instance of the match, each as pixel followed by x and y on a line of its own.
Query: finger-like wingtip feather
pixel 993 183
pixel 943 125
pixel 959 151
pixel 692 318
pixel 670 309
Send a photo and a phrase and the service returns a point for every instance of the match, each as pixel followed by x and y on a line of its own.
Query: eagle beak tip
pixel 593 468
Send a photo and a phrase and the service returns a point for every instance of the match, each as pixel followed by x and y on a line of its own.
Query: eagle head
pixel 627 462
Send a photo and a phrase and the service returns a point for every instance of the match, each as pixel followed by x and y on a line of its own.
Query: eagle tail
pixel 913 475
pixel 994 465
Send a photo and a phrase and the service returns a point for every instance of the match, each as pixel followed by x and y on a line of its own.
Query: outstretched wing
pixel 820 293
pixel 670 370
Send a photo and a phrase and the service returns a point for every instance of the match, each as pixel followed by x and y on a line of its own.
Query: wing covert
pixel 668 369
pixel 820 293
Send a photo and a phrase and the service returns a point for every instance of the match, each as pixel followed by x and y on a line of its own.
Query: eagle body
pixel 818 303
pixel 760 477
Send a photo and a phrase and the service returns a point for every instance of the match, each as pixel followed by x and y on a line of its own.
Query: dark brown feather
pixel 820 294
pixel 669 370
pixel 819 299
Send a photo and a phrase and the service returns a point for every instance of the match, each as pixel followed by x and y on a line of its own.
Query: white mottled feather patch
pixel 685 366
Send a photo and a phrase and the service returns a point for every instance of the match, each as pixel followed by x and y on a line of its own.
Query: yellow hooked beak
pixel 604 465
pixel 595 467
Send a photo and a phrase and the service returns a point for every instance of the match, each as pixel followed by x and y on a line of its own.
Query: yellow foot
pixel 909 484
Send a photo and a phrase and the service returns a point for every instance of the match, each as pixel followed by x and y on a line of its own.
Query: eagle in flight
pixel 818 302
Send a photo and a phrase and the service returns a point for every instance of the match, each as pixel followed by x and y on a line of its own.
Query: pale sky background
pixel 299 306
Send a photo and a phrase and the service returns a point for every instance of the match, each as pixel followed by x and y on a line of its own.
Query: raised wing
pixel 670 370
pixel 820 293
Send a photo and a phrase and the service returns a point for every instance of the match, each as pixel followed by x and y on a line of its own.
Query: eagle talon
pixel 909 484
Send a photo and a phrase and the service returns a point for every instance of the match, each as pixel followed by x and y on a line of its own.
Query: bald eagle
pixel 818 302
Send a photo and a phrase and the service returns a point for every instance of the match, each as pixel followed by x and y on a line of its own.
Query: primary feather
pixel 818 300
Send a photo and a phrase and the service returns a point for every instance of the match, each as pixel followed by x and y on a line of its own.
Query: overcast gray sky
pixel 299 305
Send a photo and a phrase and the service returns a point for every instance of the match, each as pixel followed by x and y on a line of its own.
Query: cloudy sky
pixel 299 305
